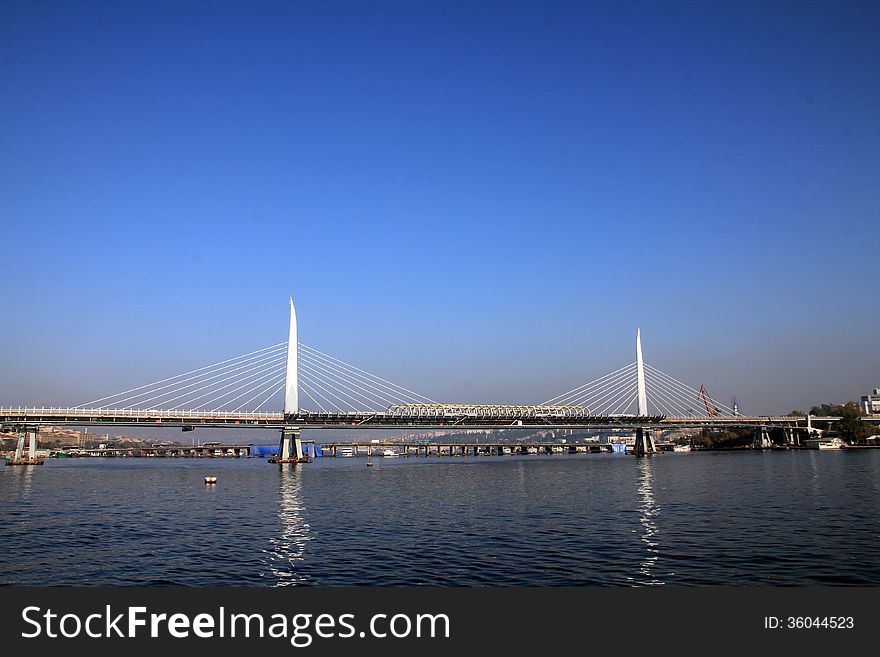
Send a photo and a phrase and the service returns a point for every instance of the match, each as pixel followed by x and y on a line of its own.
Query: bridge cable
pixel 334 388
pixel 274 392
pixel 318 385
pixel 600 401
pixel 623 393
pixel 250 363
pixel 687 406
pixel 255 371
pixel 372 396
pixel 177 376
pixel 273 384
pixel 689 402
pixel 655 394
pixel 417 395
pixel 598 394
pixel 554 400
pixel 689 389
pixel 275 375
pixel 305 389
pixel 352 376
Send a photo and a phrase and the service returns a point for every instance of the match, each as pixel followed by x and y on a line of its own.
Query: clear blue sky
pixel 480 201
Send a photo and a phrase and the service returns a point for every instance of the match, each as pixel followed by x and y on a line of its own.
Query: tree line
pixel 851 427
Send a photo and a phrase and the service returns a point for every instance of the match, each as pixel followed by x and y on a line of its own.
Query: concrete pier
pixel 644 442
pixel 26 434
pixel 762 439
pixel 290 447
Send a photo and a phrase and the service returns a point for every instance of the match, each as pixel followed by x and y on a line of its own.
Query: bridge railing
pixel 132 412
pixel 486 410
pixel 470 412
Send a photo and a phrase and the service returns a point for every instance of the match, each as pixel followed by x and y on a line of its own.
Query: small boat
pixel 210 480
pixel 682 448
pixel 389 453
pixel 345 451
pixel 25 460
pixel 834 443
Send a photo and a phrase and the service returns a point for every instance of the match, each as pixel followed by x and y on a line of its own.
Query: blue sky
pixel 480 201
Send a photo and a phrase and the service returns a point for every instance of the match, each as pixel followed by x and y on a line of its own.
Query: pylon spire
pixel 640 375
pixel 291 380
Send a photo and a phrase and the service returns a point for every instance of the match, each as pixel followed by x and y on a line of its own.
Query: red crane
pixel 704 395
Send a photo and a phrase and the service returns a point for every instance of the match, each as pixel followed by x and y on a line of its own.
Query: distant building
pixel 870 404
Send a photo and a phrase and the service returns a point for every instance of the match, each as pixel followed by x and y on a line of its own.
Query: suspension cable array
pixel 611 394
pixel 334 386
pixel 617 393
pixel 250 382
pixel 245 382
pixel 674 398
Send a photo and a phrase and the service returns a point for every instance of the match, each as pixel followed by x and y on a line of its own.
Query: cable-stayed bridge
pixel 292 386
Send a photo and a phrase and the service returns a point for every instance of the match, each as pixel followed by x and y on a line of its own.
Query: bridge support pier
pixel 762 439
pixel 26 434
pixel 290 447
pixel 644 442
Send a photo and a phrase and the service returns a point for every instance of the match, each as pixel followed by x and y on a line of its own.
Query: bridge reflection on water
pixel 648 512
pixel 286 557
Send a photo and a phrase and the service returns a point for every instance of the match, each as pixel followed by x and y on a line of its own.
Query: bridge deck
pixel 529 419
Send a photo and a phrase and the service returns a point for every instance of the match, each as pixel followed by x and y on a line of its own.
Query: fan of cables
pixel 617 393
pixel 255 381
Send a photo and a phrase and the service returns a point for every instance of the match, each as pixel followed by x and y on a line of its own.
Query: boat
pixel 824 443
pixel 682 448
pixel 345 451
pixel 389 453
pixel 25 460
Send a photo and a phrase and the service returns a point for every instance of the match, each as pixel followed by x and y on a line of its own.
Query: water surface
pixel 704 518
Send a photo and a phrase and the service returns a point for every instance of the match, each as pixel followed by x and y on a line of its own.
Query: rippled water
pixel 801 518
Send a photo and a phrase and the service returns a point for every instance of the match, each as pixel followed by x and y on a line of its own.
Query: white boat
pixel 345 451
pixel 834 443
pixel 389 453
pixel 682 448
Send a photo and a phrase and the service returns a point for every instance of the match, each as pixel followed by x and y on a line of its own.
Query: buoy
pixel 210 480
pixel 369 465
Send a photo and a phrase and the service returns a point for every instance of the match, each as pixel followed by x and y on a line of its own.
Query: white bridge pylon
pixel 640 376
pixel 291 375
pixel 298 378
